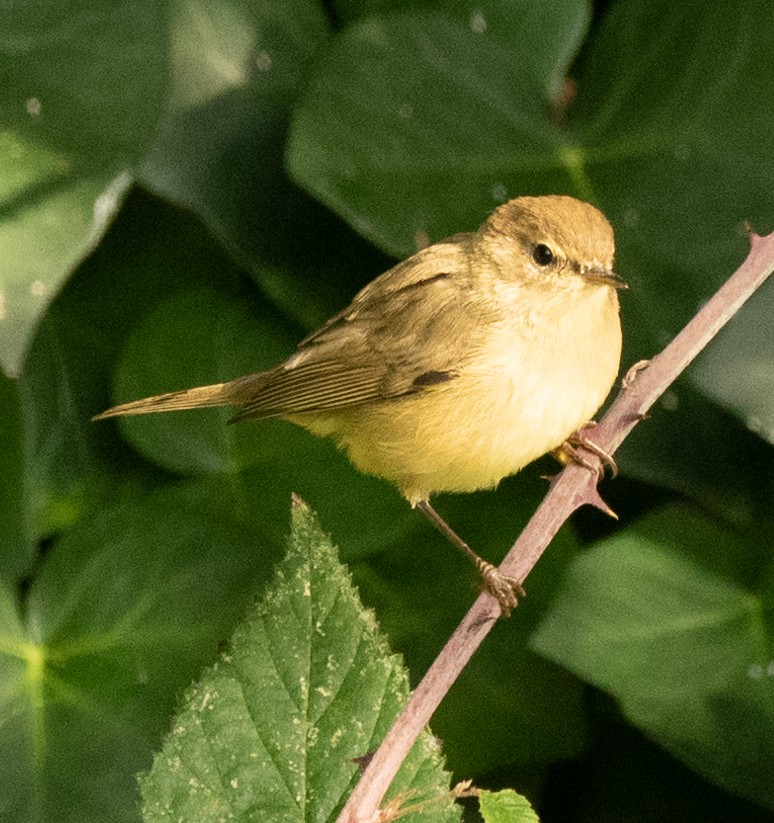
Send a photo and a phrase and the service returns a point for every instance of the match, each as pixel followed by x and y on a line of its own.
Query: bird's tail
pixel 217 394
pixel 232 393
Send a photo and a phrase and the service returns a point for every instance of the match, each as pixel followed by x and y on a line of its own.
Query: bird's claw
pixel 505 590
pixel 571 451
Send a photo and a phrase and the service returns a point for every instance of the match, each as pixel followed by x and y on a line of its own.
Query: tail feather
pixel 217 394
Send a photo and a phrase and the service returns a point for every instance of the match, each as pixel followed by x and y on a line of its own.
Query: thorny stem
pixel 571 489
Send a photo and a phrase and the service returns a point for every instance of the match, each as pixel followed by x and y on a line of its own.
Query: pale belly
pixel 520 403
pixel 473 441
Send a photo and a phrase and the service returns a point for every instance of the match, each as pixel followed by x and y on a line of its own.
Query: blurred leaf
pixel 72 464
pixel 558 27
pixel 509 706
pixel 235 69
pixel 80 86
pixel 272 731
pixel 736 370
pixel 506 807
pixel 20 736
pixel 125 610
pixel 542 38
pixel 235 73
pixel 195 94
pixel 16 550
pixel 188 335
pixel 402 164
pixel 625 776
pixel 670 618
pixel 691 446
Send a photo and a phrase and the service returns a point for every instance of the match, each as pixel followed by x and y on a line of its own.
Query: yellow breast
pixel 536 381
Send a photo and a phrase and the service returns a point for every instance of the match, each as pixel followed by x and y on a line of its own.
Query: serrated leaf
pixel 271 731
pixel 506 807
pixel 668 618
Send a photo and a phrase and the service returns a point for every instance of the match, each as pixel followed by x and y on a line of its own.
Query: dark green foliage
pixel 186 188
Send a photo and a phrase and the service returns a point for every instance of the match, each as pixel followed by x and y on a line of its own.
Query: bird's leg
pixel 503 588
pixel 571 451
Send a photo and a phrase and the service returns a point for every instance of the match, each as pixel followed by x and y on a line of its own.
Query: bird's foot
pixel 572 451
pixel 505 590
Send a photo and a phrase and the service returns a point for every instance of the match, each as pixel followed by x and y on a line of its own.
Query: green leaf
pixel 407 127
pixel 21 737
pixel 506 807
pixel 206 337
pixel 192 97
pixel 553 30
pixel 271 731
pixel 673 619
pixel 235 70
pixel 690 445
pixel 736 369
pixel 80 86
pixel 16 549
pixel 72 464
pixel 125 609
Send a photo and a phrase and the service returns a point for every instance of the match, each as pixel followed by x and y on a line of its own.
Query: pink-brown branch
pixel 574 487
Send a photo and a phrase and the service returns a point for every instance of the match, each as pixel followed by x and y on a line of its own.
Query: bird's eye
pixel 542 255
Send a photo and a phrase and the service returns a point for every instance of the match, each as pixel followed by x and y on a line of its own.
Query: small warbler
pixel 458 366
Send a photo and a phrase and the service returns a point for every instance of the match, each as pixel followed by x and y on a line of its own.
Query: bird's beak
pixel 605 277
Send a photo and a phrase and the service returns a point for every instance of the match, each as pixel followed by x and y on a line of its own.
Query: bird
pixel 458 366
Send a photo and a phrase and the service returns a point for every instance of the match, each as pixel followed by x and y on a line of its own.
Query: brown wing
pixel 384 344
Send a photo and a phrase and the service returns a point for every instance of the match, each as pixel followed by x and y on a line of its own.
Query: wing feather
pixel 315 386
pixel 385 344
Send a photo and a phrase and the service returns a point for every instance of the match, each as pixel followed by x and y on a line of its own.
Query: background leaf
pixel 127 607
pixel 748 389
pixel 402 166
pixel 234 73
pixel 78 102
pixel 671 619
pixel 16 549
